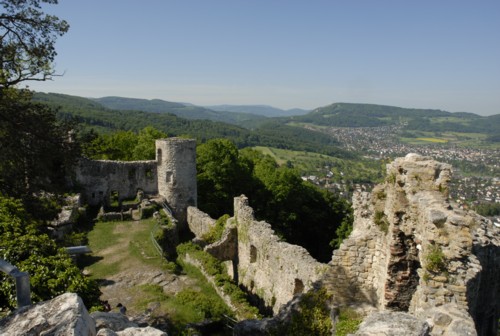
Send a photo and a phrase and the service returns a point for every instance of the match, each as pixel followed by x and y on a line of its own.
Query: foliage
pixel 214 268
pixel 312 317
pixel 222 175
pixel 488 209
pixel 52 272
pixel 348 322
pixel 216 232
pixel 36 148
pixel 123 145
pixel 27 38
pixel 204 305
pixel 180 110
pixel 435 259
pixel 380 219
pixel 297 211
pixel 344 230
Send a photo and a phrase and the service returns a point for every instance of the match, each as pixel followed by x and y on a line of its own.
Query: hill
pixel 264 110
pixel 187 111
pixel 91 114
pixel 370 115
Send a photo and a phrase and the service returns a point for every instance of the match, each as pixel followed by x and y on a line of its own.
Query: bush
pixel 381 221
pixel 435 259
pixel 348 322
pixel 217 270
pixel 313 317
pixel 201 303
pixel 215 233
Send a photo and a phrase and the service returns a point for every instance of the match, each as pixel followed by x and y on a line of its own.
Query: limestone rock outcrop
pixel 413 250
pixel 64 315
pixel 393 324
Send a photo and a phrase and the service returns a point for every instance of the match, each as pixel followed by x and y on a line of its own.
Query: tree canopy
pixel 52 272
pixel 27 41
pixel 298 211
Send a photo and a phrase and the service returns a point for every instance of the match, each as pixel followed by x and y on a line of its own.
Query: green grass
pixel 102 236
pixel 309 163
pixel 433 140
pixel 196 303
pixel 474 140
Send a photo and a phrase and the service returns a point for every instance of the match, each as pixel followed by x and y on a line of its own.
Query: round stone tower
pixel 176 160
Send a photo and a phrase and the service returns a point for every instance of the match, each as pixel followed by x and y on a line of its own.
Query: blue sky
pixel 424 54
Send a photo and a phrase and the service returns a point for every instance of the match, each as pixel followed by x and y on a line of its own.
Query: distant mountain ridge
pixel 265 110
pixel 182 110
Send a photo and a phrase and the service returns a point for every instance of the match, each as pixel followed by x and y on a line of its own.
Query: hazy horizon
pixel 294 54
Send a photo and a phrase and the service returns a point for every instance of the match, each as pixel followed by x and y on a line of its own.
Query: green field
pixel 473 140
pixel 308 163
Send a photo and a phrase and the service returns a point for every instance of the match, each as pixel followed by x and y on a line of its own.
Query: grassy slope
pixel 124 248
pixel 309 163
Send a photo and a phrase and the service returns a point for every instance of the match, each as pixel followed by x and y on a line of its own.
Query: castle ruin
pixel 172 175
pixel 411 250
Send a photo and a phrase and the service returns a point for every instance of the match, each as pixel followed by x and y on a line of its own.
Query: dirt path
pixel 137 264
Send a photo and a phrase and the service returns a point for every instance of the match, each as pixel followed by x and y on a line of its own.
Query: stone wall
pixel 176 159
pixel 199 222
pixel 413 250
pixel 268 267
pixel 98 179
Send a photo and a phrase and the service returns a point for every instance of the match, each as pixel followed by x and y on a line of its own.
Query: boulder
pixel 392 324
pixel 64 315
pixel 112 321
pixel 133 331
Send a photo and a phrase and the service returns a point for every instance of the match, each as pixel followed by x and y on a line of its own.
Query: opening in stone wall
pixel 253 254
pixel 298 287
pixel 149 173
pixel 158 156
pixel 169 176
pixel 114 198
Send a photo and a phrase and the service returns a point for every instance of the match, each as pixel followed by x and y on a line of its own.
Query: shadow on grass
pixel 87 259
pixel 105 282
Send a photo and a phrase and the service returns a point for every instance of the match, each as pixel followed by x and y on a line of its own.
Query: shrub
pixel 216 232
pixel 381 221
pixel 313 317
pixel 435 259
pixel 348 322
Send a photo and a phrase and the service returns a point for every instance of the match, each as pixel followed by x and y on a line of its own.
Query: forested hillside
pixel 89 114
pixel 369 115
pixel 264 110
pixel 187 111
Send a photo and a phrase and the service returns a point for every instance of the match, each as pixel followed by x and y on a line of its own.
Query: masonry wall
pixel 268 267
pixel 413 250
pixel 98 179
pixel 176 159
pixel 199 222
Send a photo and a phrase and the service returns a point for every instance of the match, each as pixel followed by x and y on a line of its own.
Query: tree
pixel 145 147
pixel 221 176
pixel 35 148
pixel 26 246
pixel 27 39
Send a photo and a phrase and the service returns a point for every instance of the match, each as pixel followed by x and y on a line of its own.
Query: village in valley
pixel 476 172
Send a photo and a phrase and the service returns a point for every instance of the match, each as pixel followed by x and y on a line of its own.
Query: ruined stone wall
pixel 199 222
pixel 268 267
pixel 97 179
pixel 413 250
pixel 176 159
pixel 358 266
